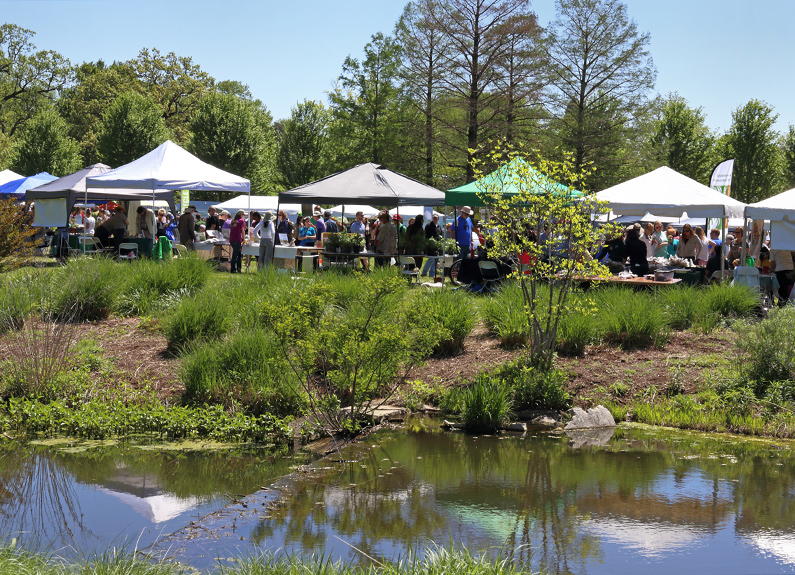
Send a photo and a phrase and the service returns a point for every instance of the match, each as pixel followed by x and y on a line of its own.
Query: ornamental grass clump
pixel 504 314
pixel 683 306
pixel 197 319
pixel 449 314
pixel 486 405
pixel 152 286
pixel 86 288
pixel 730 301
pixel 245 370
pixel 631 319
pixel 769 349
pixel 577 329
pixel 533 387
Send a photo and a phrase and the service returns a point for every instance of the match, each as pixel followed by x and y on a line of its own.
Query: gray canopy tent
pixel 370 184
pixel 55 200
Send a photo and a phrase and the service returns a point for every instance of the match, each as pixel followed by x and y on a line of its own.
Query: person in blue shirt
pixel 463 231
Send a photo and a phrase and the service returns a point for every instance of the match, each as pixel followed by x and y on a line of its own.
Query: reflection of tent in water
pixel 147 497
pixel 509 179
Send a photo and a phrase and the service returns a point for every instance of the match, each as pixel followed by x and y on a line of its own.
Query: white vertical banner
pixel 184 200
pixel 721 180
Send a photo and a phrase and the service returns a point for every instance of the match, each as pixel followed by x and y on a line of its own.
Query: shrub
pixel 770 349
pixel 533 388
pixel 576 330
pixel 486 404
pixel 631 319
pixel 683 306
pixel 504 314
pixel 247 366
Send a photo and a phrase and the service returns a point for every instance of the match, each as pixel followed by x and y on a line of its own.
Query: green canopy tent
pixel 506 180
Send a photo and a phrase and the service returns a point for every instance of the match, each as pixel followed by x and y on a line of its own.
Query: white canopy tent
pixel 780 211
pixel 665 192
pixel 8 176
pixel 407 212
pixel 259 203
pixel 169 167
pixel 350 211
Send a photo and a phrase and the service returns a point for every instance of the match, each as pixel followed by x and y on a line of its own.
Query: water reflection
pixel 83 498
pixel 654 499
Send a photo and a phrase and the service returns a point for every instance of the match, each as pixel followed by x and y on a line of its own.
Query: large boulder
pixel 594 418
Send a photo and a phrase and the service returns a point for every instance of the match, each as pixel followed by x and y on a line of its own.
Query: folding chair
pixel 89 245
pixel 128 251
pixel 490 273
pixel 181 251
pixel 408 268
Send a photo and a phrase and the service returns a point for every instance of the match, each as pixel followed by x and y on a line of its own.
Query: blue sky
pixel 718 54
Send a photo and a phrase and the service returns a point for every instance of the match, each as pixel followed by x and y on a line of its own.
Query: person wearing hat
pixel 226 224
pixel 267 232
pixel 213 223
pixel 320 227
pixel 237 229
pixel 463 231
pixel 186 228
pixel 331 225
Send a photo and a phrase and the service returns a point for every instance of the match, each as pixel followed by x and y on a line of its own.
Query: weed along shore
pixel 181 398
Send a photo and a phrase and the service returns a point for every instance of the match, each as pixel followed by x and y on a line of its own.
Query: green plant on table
pixel 332 242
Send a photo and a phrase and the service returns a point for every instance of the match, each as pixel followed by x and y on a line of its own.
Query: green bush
pixel 486 404
pixel 631 319
pixel 247 368
pixel 769 346
pixel 534 388
pixel 683 306
pixel 504 314
pixel 576 330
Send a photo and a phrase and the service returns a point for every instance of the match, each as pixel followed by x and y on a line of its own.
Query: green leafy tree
pixel 301 148
pixel 131 127
pixel 683 140
pixel 231 133
pixel 753 143
pixel 176 84
pixel 789 157
pixel 46 147
pixel 84 104
pixel 30 79
pixel 600 72
pixel 546 218
pixel 364 104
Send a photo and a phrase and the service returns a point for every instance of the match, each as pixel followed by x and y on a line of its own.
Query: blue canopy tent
pixel 16 188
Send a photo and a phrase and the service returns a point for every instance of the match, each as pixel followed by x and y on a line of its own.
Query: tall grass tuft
pixel 683 306
pixel 195 319
pixel 153 286
pixel 631 319
pixel 487 404
pixel 576 330
pixel 449 315
pixel 504 314
pixel 246 368
pixel 730 301
pixel 769 346
pixel 87 288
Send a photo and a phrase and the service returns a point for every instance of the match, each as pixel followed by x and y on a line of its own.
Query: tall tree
pixel 176 84
pixel 302 143
pixel 30 79
pixel 45 146
pixel 788 145
pixel 426 53
pixel 365 100
pixel 84 104
pixel 232 133
pixel 598 62
pixel 131 127
pixel 753 143
pixel 683 140
pixel 480 33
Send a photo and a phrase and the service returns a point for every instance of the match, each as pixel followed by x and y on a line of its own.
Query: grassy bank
pixel 15 561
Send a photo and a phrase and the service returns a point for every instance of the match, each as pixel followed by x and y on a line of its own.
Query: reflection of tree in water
pixel 37 497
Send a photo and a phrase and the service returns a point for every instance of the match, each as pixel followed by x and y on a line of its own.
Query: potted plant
pixel 332 242
pixel 451 247
pixel 357 242
pixel 345 243
pixel 433 247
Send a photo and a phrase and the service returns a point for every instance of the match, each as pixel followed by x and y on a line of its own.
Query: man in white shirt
pixel 90 223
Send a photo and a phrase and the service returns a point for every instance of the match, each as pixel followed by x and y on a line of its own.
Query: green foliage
pixel 153 286
pixel 301 148
pixel 234 134
pixel 533 388
pixel 577 329
pixel 45 146
pixel 247 369
pixel 503 314
pixel 631 319
pixel 683 139
pixel 683 306
pixel 753 143
pixel 769 348
pixel 97 419
pixel 197 319
pixel 86 288
pixel 131 127
pixel 730 301
pixel 789 158
pixel 486 405
pixel 16 235
pixel 449 314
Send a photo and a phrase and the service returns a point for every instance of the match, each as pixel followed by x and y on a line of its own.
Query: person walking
pixel 186 229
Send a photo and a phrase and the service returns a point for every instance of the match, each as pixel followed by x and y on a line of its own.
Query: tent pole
pixel 275 230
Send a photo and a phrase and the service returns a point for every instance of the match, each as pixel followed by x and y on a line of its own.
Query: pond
pixel 76 498
pixel 648 499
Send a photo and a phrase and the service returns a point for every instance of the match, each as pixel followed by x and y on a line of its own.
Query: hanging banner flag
pixel 721 180
pixel 184 200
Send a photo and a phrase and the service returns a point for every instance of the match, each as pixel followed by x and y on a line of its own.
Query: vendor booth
pixel 18 188
pixel 8 176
